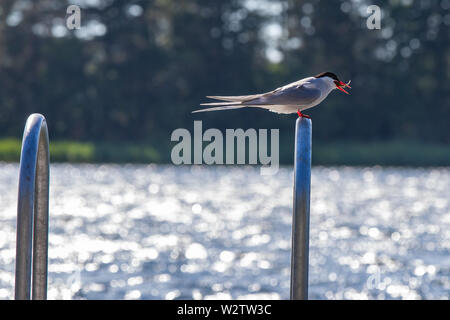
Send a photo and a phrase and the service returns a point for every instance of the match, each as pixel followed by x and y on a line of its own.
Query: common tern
pixel 294 97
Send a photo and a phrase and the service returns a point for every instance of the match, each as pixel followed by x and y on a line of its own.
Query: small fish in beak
pixel 341 85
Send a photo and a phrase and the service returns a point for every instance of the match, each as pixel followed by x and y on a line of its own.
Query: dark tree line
pixel 136 69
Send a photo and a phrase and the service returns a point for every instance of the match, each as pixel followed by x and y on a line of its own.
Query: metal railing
pixel 32 212
pixel 300 219
pixel 33 204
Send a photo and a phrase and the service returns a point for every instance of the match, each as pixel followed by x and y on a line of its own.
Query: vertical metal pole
pixel 300 220
pixel 32 211
pixel 41 204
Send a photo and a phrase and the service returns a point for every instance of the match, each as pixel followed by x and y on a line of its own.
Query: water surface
pixel 165 232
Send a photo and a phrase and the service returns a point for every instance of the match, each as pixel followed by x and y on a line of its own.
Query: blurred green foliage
pixel 78 152
pixel 395 153
pixel 136 69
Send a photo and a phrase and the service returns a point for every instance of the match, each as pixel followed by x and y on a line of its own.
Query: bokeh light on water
pixel 164 232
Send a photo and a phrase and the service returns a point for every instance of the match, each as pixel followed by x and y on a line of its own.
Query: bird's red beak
pixel 340 85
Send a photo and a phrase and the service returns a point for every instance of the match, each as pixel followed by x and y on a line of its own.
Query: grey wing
pixel 236 98
pixel 298 95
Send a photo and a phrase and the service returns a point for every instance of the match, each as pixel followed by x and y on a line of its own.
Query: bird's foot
pixel 301 115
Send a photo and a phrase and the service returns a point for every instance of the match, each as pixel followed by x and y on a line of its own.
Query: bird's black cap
pixel 327 74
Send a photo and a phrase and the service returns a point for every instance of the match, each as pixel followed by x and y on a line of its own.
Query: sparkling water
pixel 166 232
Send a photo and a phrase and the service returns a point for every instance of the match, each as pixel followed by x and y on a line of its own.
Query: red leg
pixel 301 115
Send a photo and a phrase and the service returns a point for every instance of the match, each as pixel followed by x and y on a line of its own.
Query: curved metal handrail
pixel 32 211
